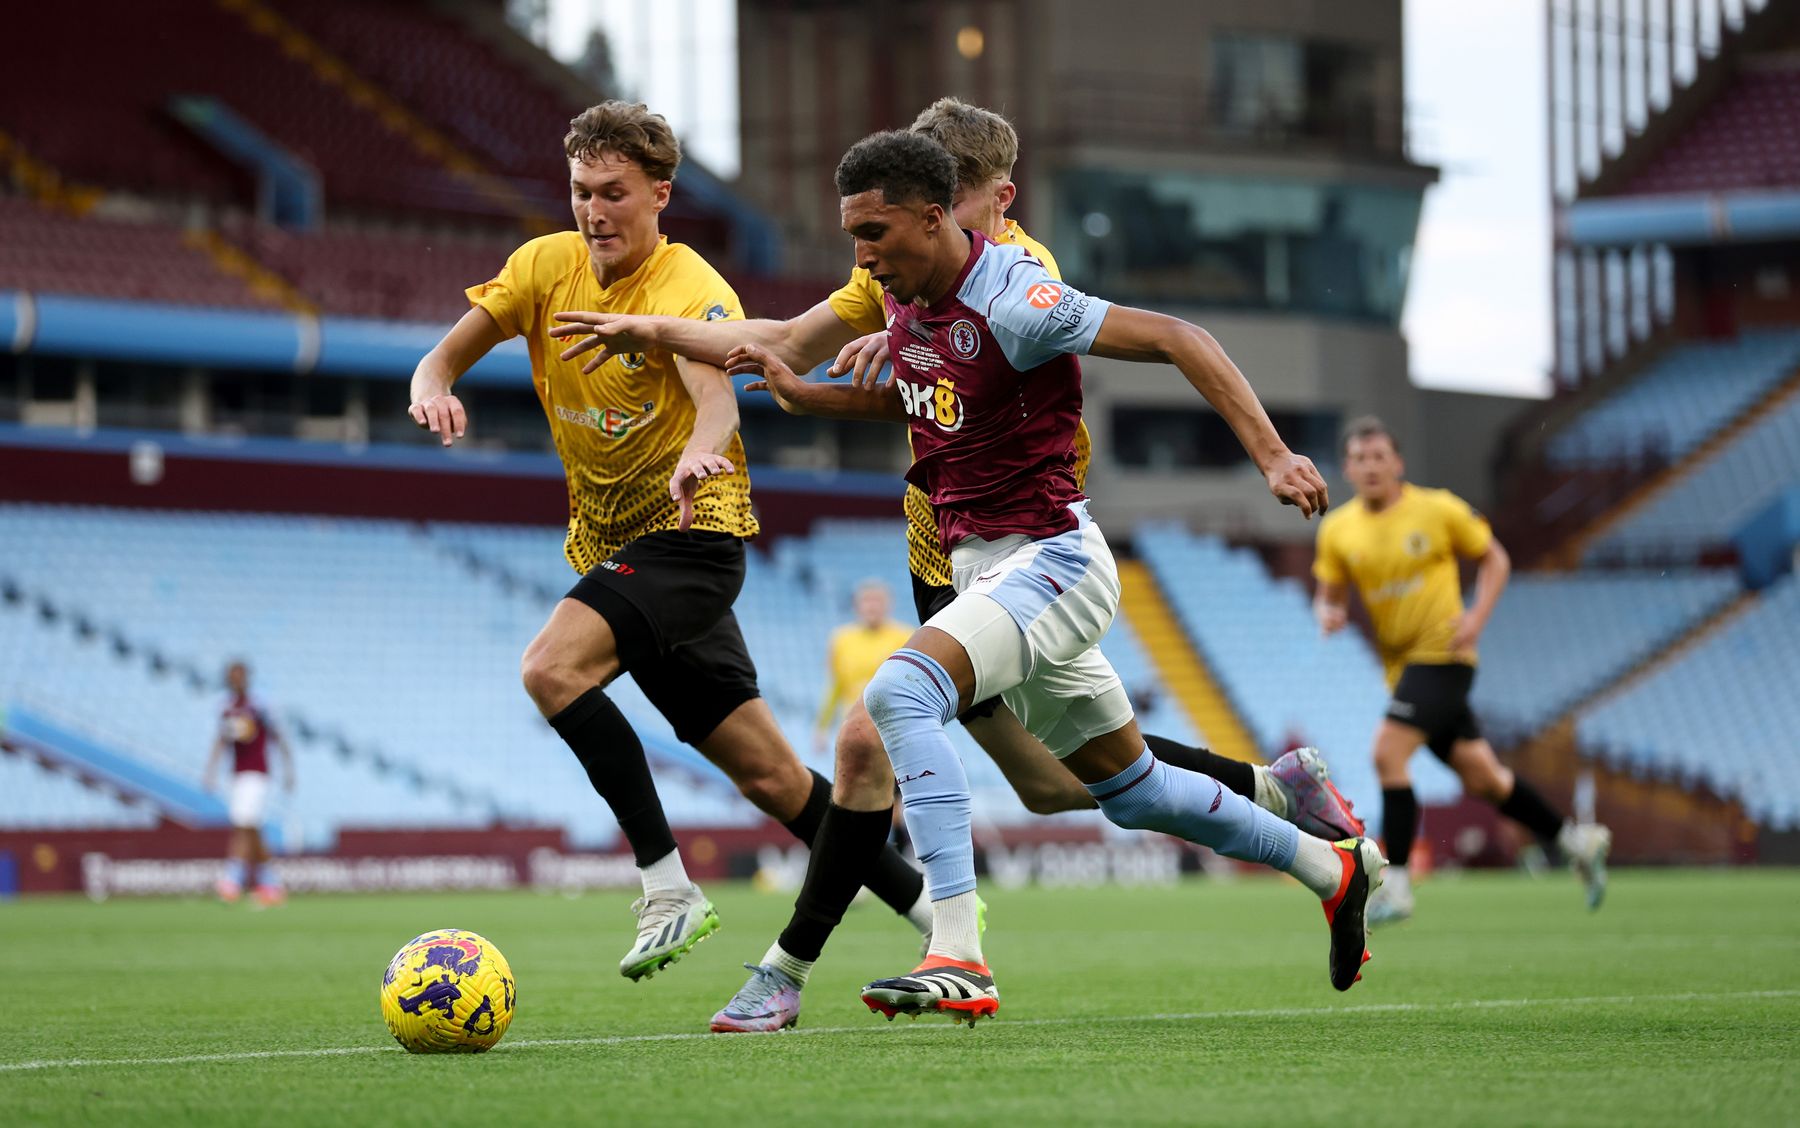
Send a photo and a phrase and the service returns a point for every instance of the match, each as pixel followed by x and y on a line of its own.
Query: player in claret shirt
pixel 984 342
pixel 245 729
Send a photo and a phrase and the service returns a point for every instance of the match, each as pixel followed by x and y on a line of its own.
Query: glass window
pixel 1305 246
pixel 1281 87
pixel 1178 438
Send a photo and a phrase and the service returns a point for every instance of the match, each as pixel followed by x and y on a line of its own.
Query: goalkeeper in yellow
pixel 659 510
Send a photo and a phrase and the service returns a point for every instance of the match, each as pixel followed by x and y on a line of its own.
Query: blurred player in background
pixel 851 324
pixel 659 504
pixel 1400 545
pixel 857 650
pixel 244 728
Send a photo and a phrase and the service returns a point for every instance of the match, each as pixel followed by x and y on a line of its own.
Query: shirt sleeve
pixel 858 303
pixel 828 710
pixel 1470 534
pixel 1035 318
pixel 1328 563
pixel 509 296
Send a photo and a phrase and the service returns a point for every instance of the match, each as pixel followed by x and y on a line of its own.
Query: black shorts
pixel 667 597
pixel 928 600
pixel 1435 700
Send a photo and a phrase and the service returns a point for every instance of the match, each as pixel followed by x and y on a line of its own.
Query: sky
pixel 1478 308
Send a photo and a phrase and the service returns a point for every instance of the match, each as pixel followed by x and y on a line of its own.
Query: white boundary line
pixel 1193 1016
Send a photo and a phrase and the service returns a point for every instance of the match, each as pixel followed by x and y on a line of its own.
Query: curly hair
pixel 906 167
pixel 983 142
pixel 628 130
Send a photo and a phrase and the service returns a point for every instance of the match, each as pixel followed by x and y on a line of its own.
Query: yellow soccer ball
pixel 448 992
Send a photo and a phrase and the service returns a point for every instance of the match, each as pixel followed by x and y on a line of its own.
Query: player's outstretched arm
pixel 1138 334
pixel 804 342
pixel 797 396
pixel 715 421
pixel 434 407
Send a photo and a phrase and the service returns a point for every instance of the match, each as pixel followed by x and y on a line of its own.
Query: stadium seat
pixel 1743 139
pixel 1722 715
pixel 1681 401
pixel 1557 640
pixel 1289 685
pixel 1712 500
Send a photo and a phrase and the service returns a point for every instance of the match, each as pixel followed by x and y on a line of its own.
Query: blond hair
pixel 984 144
pixel 628 130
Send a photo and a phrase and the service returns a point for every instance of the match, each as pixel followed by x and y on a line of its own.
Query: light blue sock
pixel 236 871
pixel 911 698
pixel 1152 795
pixel 266 875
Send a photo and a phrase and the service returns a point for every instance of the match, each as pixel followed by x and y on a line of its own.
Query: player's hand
pixel 442 415
pixel 1294 480
pixel 611 333
pixel 776 377
pixel 863 359
pixel 689 473
pixel 1465 633
pixel 1332 618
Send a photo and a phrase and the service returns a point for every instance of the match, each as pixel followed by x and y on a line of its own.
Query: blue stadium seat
pixel 1712 501
pixel 1682 399
pixel 1288 684
pixel 1557 640
pixel 1724 714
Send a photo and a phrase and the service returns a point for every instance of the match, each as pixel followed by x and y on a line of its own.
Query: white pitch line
pixel 1191 1016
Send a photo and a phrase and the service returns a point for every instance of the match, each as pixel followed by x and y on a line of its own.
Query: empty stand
pixel 1683 399
pixel 1557 640
pixel 48 252
pixel 392 276
pixel 1744 139
pixel 33 797
pixel 93 103
pixel 1711 501
pixel 1723 714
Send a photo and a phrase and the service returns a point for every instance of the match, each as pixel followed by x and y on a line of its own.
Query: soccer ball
pixel 447 992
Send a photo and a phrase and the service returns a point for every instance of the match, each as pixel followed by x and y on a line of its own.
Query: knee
pixel 551 682
pixel 900 692
pixel 1047 798
pixel 863 775
pixel 771 790
pixel 1490 782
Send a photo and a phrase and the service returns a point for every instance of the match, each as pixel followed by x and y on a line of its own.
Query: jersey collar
pixel 977 243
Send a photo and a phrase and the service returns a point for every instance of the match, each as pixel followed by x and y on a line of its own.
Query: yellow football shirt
pixel 856 653
pixel 858 304
pixel 1403 560
pixel 621 430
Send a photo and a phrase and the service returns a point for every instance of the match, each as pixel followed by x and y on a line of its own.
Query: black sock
pixel 845 851
pixel 805 825
pixel 602 739
pixel 1235 774
pixel 890 876
pixel 1399 822
pixel 1529 808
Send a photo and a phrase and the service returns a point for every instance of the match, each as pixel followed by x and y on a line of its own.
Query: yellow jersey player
pixel 857 650
pixel 1400 545
pixel 852 324
pixel 659 510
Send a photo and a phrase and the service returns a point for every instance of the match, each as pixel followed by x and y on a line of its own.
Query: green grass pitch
pixel 1207 1003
